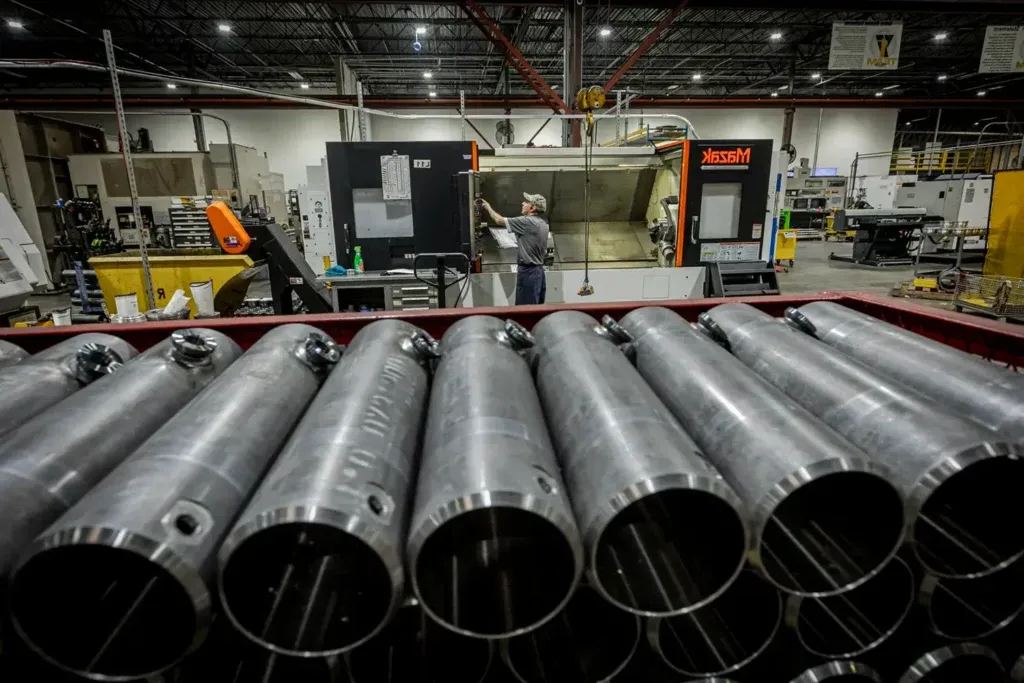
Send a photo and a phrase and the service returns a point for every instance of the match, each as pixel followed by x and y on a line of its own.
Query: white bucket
pixel 61 316
pixel 202 294
pixel 126 304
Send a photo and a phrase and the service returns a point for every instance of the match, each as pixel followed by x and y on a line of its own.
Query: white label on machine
pixel 756 232
pixel 730 251
pixel 394 176
pixel 421 163
pixel 864 46
pixel 1003 51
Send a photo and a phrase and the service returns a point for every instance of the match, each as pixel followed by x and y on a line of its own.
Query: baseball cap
pixel 537 200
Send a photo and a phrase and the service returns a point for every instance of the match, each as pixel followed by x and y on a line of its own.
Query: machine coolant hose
pixel 960 480
pixel 663 532
pixel 40 381
pixel 493 546
pixel 968 385
pixel 136 556
pixel 313 567
pixel 805 485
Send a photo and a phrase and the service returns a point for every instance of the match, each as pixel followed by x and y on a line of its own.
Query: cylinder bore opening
pixel 975 668
pixel 495 571
pixel 831 533
pixel 590 640
pixel 102 611
pixel 670 551
pixel 858 620
pixel 962 609
pixel 275 668
pixel 415 648
pixel 962 530
pixel 306 588
pixel 726 634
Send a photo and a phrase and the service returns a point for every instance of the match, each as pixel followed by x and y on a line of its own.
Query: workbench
pixel 382 290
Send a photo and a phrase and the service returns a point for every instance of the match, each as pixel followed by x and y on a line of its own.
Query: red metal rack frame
pixel 996 341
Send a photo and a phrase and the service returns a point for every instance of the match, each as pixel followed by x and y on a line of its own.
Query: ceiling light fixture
pixel 982 93
pixel 783 87
pixel 433 94
pixel 775 94
pixel 420 30
pixel 879 93
pixel 890 87
pixel 14 23
pixel 696 77
pixel 943 77
pixel 224 28
pixel 304 86
pixel 172 86
pixel 605 32
pixel 941 36
pixel 815 76
pixel 776 36
pixel 672 87
pixel 427 75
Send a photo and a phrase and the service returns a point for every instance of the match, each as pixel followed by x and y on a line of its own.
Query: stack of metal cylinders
pixel 11 353
pixel 154 525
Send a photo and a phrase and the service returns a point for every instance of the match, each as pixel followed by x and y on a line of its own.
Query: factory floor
pixel 812 272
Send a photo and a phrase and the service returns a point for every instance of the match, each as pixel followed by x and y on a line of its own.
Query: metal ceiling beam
pixel 646 45
pixel 515 57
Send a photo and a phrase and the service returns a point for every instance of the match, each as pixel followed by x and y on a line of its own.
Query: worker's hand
pixel 484 203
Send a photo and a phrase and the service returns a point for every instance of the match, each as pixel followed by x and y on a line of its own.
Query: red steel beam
pixel 648 43
pixel 515 57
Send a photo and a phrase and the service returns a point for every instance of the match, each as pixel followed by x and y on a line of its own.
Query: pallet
pixel 908 290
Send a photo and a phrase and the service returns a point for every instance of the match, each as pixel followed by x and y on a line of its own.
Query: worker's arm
pixel 495 216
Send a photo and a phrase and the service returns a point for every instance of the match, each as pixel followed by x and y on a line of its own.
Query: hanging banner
pixel 1003 51
pixel 870 47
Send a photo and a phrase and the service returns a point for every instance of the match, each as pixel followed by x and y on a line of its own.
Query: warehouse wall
pixel 293 139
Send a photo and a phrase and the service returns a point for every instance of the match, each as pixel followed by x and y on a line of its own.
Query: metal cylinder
pixel 154 525
pixel 413 647
pixel 664 533
pixel 959 663
pixel 313 566
pixel 589 641
pixel 11 353
pixel 271 667
pixel 960 480
pixel 493 547
pixel 51 461
pixel 804 485
pixel 855 622
pixel 839 672
pixel 721 637
pixel 968 385
pixel 968 609
pixel 48 377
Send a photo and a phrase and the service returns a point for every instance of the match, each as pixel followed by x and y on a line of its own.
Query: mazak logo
pixel 726 157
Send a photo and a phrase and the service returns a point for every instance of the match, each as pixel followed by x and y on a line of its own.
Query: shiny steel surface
pixel 589 641
pixel 51 461
pixel 664 533
pixel 805 485
pixel 314 564
pixel 415 648
pixel 960 480
pixel 11 353
pixel 493 546
pixel 968 385
pixel 959 663
pixel 855 622
pixel 40 381
pixel 721 637
pixel 170 504
pixel 967 609
pixel 839 672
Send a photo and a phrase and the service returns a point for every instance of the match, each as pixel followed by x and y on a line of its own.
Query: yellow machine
pixel 1004 256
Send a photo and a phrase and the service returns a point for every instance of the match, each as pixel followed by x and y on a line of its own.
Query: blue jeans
pixel 531 286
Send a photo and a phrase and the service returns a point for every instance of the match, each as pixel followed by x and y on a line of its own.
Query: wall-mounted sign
pixel 1003 51
pixel 865 46
pixel 736 159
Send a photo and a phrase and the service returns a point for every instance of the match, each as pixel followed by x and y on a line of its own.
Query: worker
pixel 531 229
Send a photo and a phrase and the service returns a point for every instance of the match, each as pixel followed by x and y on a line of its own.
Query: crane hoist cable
pixel 588 100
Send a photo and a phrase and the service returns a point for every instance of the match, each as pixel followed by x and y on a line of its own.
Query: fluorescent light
pixel 907 123
pixel 224 28
pixel 783 87
pixel 879 93
pixel 420 30
pixel 982 93
pixel 775 94
pixel 815 75
pixel 304 86
pixel 427 74
pixel 14 23
pixel 605 32
pixel 672 87
pixel 943 77
pixel 696 77
pixel 890 87
pixel 941 36
pixel 776 36
pixel 977 122
pixel 433 94
pixel 172 86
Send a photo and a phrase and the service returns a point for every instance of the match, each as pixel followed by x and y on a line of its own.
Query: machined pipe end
pixel 94 361
pixel 675 544
pixel 959 526
pixel 857 621
pixel 721 637
pixel 954 663
pixel 591 640
pixel 828 527
pixel 839 672
pixel 969 609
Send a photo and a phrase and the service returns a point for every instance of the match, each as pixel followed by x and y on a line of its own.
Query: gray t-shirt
pixel 532 232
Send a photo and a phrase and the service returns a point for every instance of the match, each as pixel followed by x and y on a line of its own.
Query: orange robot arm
pixel 230 234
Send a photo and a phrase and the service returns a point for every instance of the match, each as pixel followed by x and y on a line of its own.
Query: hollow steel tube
pixel 40 381
pixel 803 483
pixel 857 621
pixel 636 479
pixel 956 663
pixel 839 672
pixel 50 462
pixel 587 642
pixel 414 647
pixel 960 480
pixel 493 547
pixel 11 353
pixel 969 609
pixel 971 386
pixel 171 503
pixel 313 566
pixel 721 637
